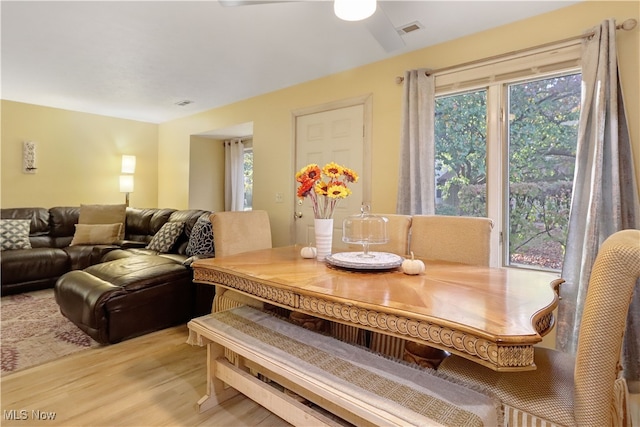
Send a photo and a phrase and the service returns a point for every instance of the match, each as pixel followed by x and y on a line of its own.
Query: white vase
pixel 324 237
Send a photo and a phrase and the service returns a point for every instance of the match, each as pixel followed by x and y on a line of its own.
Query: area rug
pixel 32 331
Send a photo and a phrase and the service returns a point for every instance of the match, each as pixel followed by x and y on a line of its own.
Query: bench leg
pixel 217 390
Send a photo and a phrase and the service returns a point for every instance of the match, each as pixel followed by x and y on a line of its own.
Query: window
pixel 461 151
pixel 248 176
pixel 505 141
pixel 542 135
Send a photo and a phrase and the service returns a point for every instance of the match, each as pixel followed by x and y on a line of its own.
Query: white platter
pixel 356 260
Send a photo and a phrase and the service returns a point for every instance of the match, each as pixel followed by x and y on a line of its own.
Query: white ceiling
pixel 136 60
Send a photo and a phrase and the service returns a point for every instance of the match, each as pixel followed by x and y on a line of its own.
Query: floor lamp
pixel 126 180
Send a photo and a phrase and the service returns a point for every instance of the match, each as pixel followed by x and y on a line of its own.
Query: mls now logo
pixel 23 414
pixel 15 414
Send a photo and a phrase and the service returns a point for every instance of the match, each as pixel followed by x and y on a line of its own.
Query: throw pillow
pixel 201 239
pixel 103 214
pixel 166 237
pixel 96 234
pixel 15 234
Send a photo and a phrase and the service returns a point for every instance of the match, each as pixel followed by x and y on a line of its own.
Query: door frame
pixel 365 175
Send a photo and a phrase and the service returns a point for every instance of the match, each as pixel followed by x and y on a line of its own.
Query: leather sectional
pixel 111 291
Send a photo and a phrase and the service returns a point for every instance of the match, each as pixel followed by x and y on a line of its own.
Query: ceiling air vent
pixel 184 103
pixel 409 28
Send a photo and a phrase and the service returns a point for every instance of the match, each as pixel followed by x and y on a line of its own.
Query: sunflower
pixel 332 170
pixel 321 188
pixel 338 190
pixel 350 175
pixel 305 188
pixel 310 172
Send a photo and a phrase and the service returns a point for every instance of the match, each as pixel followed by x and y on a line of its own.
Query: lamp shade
pixel 354 10
pixel 128 164
pixel 126 183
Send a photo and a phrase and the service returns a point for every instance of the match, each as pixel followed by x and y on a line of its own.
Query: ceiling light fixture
pixel 354 10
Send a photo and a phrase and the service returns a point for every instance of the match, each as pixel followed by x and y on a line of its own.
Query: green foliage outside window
pixel 542 119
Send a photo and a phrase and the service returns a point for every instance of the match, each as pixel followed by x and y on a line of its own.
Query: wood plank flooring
pixel 154 380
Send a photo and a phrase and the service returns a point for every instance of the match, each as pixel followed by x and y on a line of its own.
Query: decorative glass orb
pixel 365 229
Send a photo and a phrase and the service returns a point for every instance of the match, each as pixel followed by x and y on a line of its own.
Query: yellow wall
pixel 206 174
pixel 78 158
pixel 272 113
pixel 79 154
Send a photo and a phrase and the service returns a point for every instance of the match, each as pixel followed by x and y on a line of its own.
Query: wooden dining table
pixel 493 316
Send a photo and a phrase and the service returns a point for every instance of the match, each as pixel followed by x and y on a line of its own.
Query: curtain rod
pixel 627 25
pixel 236 140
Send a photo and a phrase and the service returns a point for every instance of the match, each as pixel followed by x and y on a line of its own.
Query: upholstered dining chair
pixel 237 232
pixel 585 390
pixel 461 239
pixel 447 238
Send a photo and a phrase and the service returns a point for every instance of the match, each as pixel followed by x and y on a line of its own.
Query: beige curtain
pixel 605 197
pixel 234 175
pixel 416 184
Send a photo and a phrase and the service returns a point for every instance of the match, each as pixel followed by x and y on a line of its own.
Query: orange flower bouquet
pixel 325 194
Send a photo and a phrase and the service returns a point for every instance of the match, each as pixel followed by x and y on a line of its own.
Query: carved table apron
pixel 493 316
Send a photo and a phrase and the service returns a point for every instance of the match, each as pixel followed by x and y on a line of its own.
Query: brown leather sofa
pixel 112 292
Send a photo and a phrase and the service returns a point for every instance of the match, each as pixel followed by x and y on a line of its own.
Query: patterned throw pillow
pixel 166 237
pixel 201 239
pixel 15 234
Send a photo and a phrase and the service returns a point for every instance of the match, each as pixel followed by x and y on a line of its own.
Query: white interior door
pixel 335 135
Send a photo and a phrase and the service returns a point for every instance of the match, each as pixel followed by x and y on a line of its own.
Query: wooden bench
pixel 351 382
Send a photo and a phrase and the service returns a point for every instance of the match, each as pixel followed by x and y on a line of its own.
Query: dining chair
pixel 461 239
pixel 563 390
pixel 437 237
pixel 236 232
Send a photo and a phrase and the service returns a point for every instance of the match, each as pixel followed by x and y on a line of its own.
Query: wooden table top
pixel 460 308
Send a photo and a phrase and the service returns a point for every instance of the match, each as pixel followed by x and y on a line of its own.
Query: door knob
pixel 297 215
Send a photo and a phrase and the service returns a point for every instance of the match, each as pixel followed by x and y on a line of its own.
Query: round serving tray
pixel 355 260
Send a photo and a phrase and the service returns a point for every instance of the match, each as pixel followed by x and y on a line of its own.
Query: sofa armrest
pixel 131 244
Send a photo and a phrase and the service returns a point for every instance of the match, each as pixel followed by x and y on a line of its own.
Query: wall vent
pixel 410 27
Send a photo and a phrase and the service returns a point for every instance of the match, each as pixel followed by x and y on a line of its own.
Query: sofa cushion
pixel 201 238
pixel 39 218
pixel 164 239
pixel 14 234
pixel 96 234
pixel 142 224
pixel 83 256
pixel 103 214
pixel 63 220
pixel 124 298
pixel 31 265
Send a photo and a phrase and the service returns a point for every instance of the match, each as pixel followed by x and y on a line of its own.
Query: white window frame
pixel 494 75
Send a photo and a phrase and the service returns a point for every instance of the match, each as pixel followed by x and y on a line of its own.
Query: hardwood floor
pixel 154 380
pixel 634 407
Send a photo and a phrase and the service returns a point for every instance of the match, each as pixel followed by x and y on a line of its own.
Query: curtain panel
pixel 605 197
pixel 416 183
pixel 234 175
